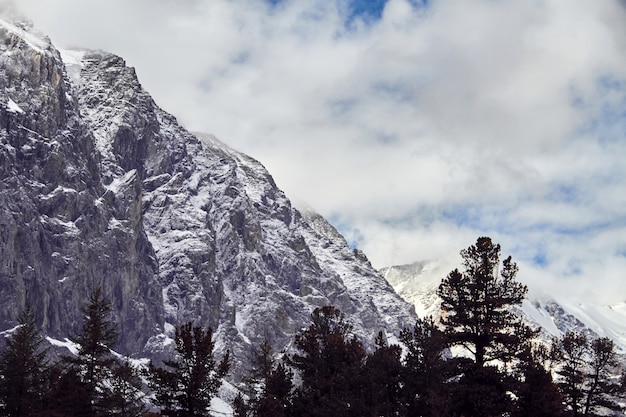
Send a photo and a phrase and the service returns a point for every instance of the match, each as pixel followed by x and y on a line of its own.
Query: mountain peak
pixel 102 188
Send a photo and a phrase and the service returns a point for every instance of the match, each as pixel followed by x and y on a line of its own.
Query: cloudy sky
pixel 414 126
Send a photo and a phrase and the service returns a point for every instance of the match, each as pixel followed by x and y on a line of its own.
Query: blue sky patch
pixel 540 259
pixel 352 235
pixel 371 11
pixel 367 10
pixel 464 216
pixel 565 193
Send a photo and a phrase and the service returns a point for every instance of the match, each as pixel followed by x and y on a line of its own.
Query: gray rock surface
pixel 62 231
pixel 99 186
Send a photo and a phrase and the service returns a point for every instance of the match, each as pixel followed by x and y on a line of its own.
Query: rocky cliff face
pixel 62 230
pixel 99 186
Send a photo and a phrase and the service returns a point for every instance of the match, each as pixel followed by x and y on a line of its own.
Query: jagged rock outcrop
pixel 99 186
pixel 62 230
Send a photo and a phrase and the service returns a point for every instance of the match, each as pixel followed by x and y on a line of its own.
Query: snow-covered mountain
pixel 417 283
pixel 101 187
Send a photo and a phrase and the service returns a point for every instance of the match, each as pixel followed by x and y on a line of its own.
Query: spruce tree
pixel 95 360
pixel 425 372
pixel 476 305
pixel 536 392
pixel 23 366
pixel 271 386
pixel 188 382
pixel 382 376
pixel 330 362
pixel 586 372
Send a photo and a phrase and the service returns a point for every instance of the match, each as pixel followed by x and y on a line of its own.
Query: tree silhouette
pixel 275 399
pixel 188 382
pixel 382 376
pixel 271 386
pixel 23 366
pixel 585 369
pixel 537 394
pixel 475 305
pixel 425 371
pixel 126 398
pixel 95 360
pixel 330 362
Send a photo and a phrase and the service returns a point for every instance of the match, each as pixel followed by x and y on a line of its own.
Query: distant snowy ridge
pixel 417 283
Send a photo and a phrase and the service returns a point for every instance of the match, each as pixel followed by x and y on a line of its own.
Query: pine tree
pixel 240 406
pixel 476 315
pixel 271 386
pixel 425 371
pixel 263 363
pixel 537 394
pixel 382 376
pixel 188 382
pixel 126 398
pixel 585 370
pixel 23 366
pixel 570 352
pixel 330 364
pixel 275 400
pixel 601 387
pixel 94 360
pixel 475 305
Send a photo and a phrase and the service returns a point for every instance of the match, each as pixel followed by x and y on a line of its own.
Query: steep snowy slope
pixel 417 283
pixel 62 230
pixel 232 251
pixel 100 186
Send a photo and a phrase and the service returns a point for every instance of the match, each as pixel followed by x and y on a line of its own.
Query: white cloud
pixel 417 132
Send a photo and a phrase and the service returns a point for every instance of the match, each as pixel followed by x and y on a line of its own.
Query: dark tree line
pixel 95 382
pixel 481 360
pixel 478 359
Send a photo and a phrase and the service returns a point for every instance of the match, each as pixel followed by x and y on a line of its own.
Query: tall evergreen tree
pixel 95 360
pixel 476 315
pixel 602 389
pixel 476 301
pixel 185 387
pixel 330 362
pixel 585 369
pixel 537 394
pixel 425 389
pixel 382 376
pixel 271 386
pixel 126 397
pixel 23 366
pixel 570 352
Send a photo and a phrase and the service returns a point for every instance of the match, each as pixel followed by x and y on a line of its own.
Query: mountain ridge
pixel 101 187
pixel 417 283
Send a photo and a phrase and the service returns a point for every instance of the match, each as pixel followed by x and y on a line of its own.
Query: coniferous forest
pixel 477 359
